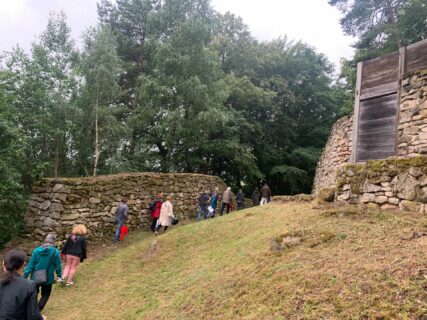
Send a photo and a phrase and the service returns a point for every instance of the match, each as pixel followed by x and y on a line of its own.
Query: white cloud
pixel 312 21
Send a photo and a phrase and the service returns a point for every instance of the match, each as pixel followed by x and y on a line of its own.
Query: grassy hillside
pixel 340 264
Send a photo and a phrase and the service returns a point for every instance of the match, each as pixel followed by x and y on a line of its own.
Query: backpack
pixel 152 206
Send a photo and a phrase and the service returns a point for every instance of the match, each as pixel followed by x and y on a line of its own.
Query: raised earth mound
pixel 279 261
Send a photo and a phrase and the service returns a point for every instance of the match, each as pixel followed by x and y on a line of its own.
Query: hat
pixel 50 238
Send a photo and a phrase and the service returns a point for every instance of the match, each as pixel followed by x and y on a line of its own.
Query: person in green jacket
pixel 45 257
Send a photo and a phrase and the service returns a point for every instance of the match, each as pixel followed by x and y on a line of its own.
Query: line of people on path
pixel 18 296
pixel 207 203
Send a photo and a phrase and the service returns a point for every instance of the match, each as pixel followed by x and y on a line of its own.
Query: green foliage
pixel 381 26
pixel 166 86
pixel 12 199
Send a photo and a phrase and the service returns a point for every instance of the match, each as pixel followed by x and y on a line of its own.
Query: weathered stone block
pixel 388 206
pixel 369 187
pixel 381 199
pixel 45 205
pixel 407 187
pixel 56 207
pixel 94 200
pixel 367 197
pixel 60 188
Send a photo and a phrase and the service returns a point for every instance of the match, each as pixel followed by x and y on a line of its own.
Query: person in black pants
pixel 19 296
pixel 45 257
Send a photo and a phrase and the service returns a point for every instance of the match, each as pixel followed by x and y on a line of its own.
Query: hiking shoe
pixel 69 283
pixel 60 280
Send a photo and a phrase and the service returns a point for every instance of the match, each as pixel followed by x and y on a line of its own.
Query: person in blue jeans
pixel 121 216
pixel 203 206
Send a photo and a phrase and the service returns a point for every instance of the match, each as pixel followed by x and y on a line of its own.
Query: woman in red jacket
pixel 155 211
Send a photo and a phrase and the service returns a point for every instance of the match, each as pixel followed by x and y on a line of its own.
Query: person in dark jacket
pixel 45 257
pixel 155 207
pixel 240 199
pixel 213 203
pixel 265 194
pixel 18 296
pixel 255 197
pixel 121 216
pixel 203 205
pixel 74 252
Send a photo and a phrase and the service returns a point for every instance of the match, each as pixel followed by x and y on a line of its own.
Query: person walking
pixel 74 252
pixel 227 198
pixel 240 199
pixel 166 215
pixel 255 197
pixel 45 257
pixel 213 203
pixel 155 207
pixel 121 216
pixel 203 206
pixel 18 295
pixel 265 194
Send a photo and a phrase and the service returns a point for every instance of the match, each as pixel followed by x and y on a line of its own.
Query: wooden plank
pixel 401 73
pixel 383 122
pixel 356 112
pixel 379 71
pixel 376 155
pixel 381 107
pixel 381 90
pixel 416 57
pixel 379 136
pixel 375 145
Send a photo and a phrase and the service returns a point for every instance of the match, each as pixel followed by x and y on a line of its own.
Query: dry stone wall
pixel 335 154
pixel 58 204
pixel 412 127
pixel 411 133
pixel 388 184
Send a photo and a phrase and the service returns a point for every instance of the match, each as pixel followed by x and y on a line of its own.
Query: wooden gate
pixel 376 108
pixel 377 103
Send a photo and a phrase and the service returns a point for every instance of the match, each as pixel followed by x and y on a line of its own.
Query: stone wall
pixel 413 116
pixel 58 204
pixel 388 184
pixel 335 154
pixel 412 133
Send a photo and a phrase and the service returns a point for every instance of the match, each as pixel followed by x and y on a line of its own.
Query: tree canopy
pixel 164 86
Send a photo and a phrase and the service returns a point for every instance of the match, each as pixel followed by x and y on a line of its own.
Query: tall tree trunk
pixel 95 165
pixel 393 21
pixel 56 166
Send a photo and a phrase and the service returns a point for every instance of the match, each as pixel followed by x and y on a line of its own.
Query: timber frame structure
pixel 377 101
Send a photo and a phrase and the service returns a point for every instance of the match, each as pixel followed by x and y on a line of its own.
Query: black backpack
pixel 152 206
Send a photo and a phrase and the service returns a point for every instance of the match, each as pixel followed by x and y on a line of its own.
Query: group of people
pixel 18 296
pixel 161 213
pixel 261 197
pixel 207 203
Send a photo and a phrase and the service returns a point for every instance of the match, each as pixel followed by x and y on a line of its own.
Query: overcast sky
pixel 312 21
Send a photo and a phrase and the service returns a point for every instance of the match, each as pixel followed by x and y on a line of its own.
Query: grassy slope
pixel 225 269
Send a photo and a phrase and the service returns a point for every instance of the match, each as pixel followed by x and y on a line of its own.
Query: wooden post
pixel 353 157
pixel 400 75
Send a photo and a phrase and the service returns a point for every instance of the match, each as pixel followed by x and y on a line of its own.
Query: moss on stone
pixel 326 195
pixel 416 73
